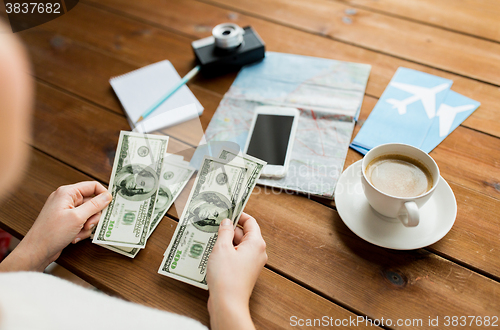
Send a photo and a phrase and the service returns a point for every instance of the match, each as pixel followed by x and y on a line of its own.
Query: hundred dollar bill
pixel 134 186
pixel 183 264
pixel 129 252
pixel 174 177
pixel 214 197
pixel 254 167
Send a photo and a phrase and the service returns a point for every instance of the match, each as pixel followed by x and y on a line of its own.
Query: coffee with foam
pixel 399 175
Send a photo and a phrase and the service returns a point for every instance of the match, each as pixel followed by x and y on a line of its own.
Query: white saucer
pixel 436 216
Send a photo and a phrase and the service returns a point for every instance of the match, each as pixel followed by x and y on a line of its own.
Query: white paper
pixel 140 89
pixel 167 118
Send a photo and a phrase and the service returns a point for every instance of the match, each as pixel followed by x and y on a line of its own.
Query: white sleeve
pixel 44 302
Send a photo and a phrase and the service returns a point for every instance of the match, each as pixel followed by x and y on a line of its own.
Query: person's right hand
pixel 232 271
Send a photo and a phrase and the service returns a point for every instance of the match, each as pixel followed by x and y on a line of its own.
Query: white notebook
pixel 141 88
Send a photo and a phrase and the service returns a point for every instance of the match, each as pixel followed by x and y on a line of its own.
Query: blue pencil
pixel 181 83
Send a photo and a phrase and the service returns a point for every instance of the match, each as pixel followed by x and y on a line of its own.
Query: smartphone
pixel 271 138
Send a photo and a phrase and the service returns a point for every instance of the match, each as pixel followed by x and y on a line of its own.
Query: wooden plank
pixel 454 155
pixel 308 242
pixel 477 17
pixel 304 260
pixel 472 238
pixel 465 157
pixel 446 50
pixel 483 178
pixel 80 134
pixel 59 117
pixel 311 244
pixel 86 72
pixel 136 279
pixel 483 164
pixel 199 18
pixel 113 273
pixel 64 63
pixel 480 119
pixel 85 136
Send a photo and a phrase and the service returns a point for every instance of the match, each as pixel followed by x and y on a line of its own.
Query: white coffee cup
pixel 405 209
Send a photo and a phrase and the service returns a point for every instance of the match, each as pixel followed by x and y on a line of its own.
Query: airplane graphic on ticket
pixel 426 95
pixel 416 108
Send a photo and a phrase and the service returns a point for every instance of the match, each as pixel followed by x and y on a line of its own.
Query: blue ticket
pixel 416 108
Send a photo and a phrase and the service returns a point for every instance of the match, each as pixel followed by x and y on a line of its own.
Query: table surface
pixel 317 267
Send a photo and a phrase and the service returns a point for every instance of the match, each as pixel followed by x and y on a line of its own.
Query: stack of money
pixel 144 183
pixel 221 190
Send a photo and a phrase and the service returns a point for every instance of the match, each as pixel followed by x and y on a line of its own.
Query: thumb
pixel 226 234
pixel 96 204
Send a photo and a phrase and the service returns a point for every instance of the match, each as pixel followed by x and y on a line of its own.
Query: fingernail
pixel 105 196
pixel 226 222
pixel 91 226
pixel 78 239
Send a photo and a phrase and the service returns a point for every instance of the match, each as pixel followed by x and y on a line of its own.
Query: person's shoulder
pixel 52 298
pixel 27 278
pixel 24 275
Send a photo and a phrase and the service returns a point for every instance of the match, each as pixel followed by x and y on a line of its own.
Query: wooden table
pixel 317 267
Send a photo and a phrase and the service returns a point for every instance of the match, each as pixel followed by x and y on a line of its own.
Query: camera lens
pixel 228 35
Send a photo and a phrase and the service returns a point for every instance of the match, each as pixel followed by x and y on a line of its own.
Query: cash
pixel 144 183
pixel 221 190
pixel 254 166
pixel 174 177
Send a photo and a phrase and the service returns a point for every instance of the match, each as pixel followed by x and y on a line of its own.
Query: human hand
pixel 69 214
pixel 232 271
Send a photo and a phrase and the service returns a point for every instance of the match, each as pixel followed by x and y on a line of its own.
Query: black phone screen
pixel 270 137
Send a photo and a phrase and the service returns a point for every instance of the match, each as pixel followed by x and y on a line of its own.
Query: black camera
pixel 229 48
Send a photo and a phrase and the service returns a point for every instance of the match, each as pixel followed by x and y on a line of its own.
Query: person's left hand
pixel 69 214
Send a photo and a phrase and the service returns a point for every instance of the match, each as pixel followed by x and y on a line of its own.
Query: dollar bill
pixel 173 179
pixel 129 252
pixel 220 191
pixel 214 197
pixel 254 167
pixel 134 185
